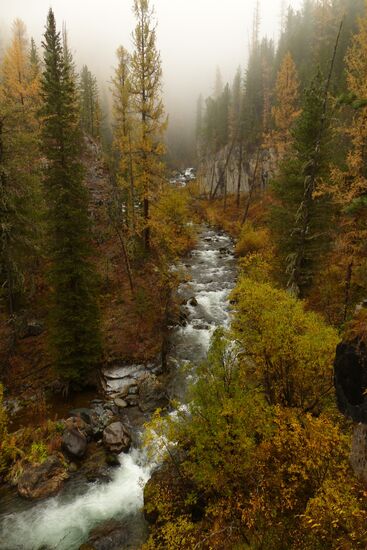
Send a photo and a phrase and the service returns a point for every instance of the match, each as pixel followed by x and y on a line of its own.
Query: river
pixel 65 521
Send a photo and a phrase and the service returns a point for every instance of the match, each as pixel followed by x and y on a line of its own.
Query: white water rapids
pixel 64 522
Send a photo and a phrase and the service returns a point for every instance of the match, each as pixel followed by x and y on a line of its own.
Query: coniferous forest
pixel 183 314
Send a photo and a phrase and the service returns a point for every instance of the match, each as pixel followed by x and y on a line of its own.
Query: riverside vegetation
pixel 259 458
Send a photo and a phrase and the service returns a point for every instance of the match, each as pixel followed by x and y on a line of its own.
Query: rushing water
pixel 64 522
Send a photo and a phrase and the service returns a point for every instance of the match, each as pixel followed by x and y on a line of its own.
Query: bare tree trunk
pixel 239 176
pixel 132 189
pixel 126 258
pixel 221 174
pixel 348 282
pixel 252 185
pixel 212 181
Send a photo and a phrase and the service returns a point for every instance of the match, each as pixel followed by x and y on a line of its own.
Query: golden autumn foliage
pixel 243 474
pixel 172 230
pixel 286 108
pixel 252 240
pixel 349 189
pixel 288 350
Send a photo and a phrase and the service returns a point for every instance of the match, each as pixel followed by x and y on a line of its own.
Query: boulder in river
pixel 152 394
pixel 74 442
pixel 120 403
pixel 116 438
pixel 350 378
pixel 42 480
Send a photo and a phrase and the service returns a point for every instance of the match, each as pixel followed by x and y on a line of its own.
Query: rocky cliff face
pixel 350 379
pixel 227 170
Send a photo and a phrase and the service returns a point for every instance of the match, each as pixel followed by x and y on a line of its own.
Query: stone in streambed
pixel 74 442
pixel 120 403
pixel 152 394
pixel 116 438
pixel 42 480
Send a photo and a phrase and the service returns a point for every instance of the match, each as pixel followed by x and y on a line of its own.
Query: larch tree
pixel 20 203
pixel 123 142
pixel 350 184
pixel 74 331
pixel 285 110
pixel 146 83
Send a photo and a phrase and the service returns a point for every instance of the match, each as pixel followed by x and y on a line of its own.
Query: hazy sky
pixel 194 36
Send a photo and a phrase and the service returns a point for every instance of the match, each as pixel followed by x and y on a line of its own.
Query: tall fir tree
pixel 75 331
pixel 301 219
pixel 90 112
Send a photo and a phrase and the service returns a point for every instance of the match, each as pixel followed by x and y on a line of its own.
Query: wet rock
pixel 132 400
pixel 120 403
pixel 42 480
pixel 94 466
pixel 31 328
pixel 116 438
pixel 112 460
pixel 84 413
pixel 74 442
pixel 350 378
pixel 193 302
pixel 109 535
pixel 152 394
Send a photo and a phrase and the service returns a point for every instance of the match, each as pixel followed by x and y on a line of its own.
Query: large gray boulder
pixel 116 438
pixel 152 394
pixel 74 442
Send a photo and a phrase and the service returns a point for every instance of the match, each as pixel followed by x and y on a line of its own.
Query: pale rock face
pixel 229 171
pixel 116 438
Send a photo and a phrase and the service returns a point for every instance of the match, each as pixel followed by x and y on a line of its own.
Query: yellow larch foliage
pixel 286 109
pixel 349 188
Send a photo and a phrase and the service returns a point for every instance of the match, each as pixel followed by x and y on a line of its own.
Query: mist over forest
pixel 194 39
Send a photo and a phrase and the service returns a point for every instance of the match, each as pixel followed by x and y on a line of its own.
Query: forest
pixel 183 351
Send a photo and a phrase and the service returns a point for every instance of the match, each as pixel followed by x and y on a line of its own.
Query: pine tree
pixel 146 82
pixel 20 203
pixel 75 336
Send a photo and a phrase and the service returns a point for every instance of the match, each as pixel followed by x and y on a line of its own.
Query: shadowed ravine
pixel 64 522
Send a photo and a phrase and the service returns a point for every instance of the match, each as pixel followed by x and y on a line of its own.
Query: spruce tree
pixel 74 331
pixel 90 112
pixel 306 160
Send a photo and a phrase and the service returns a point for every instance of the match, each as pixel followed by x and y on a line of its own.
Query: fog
pixel 194 37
